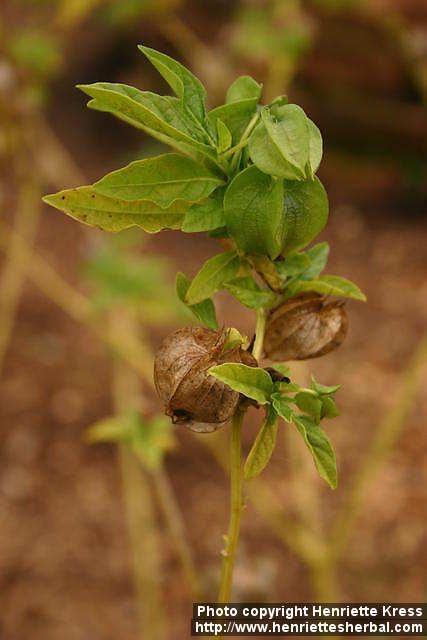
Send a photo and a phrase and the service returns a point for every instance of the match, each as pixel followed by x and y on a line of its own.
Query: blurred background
pixel 84 527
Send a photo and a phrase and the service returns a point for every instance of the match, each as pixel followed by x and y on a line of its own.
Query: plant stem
pixel 176 526
pixel 143 537
pixel 236 478
pixel 236 508
pixel 258 347
pixel 140 514
pixel 324 580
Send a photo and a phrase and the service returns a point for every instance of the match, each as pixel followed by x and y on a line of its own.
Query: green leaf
pixel 244 88
pixel 204 311
pixel 279 145
pixel 235 115
pixel 152 440
pixel 318 256
pixel 329 407
pixel 252 382
pixel 263 447
pixel 307 265
pixel 289 387
pixel 284 369
pixel 211 277
pixel 308 403
pixel 220 233
pixel 253 207
pixel 110 214
pixel 328 286
pixel 118 275
pixel 162 180
pixel 315 147
pixel 278 102
pixel 293 265
pixel 281 406
pixel 234 339
pixel 191 148
pixel 250 294
pixel 160 116
pixel 322 389
pixel 306 212
pixel 185 85
pixel 225 138
pixel 320 448
pixel 207 215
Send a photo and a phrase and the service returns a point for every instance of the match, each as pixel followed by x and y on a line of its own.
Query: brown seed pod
pixel 193 397
pixel 305 327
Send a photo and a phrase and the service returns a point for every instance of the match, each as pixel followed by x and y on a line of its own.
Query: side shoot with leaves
pixel 244 173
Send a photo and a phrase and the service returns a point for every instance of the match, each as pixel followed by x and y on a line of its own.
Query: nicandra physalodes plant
pixel 244 173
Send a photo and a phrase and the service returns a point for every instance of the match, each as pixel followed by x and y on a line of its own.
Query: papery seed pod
pixel 193 397
pixel 305 327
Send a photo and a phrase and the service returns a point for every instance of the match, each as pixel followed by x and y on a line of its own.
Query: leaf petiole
pixel 243 140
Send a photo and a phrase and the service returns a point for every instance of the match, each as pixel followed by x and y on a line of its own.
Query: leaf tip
pixel 147 51
pixel 50 199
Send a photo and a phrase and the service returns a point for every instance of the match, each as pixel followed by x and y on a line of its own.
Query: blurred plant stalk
pixel 13 273
pixel 135 354
pixel 123 321
pixel 36 155
pixel 142 528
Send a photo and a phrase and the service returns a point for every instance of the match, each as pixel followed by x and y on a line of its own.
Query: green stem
pixel 324 579
pixel 257 350
pixel 236 479
pixel 236 508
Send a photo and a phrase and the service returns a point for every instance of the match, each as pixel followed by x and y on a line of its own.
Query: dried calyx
pixel 191 396
pixel 305 327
